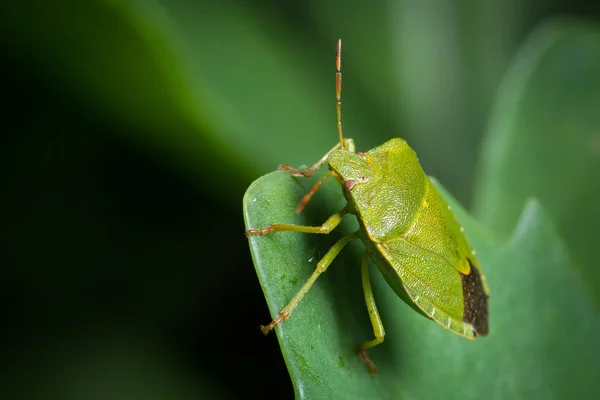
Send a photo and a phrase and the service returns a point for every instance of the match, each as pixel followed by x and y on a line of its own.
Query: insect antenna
pixel 338 89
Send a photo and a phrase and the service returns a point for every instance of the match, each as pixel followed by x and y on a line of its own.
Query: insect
pixel 408 230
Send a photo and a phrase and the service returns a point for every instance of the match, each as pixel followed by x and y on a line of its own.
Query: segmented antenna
pixel 338 89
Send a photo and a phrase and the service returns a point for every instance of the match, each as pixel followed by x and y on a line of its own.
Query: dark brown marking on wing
pixel 476 302
pixel 349 184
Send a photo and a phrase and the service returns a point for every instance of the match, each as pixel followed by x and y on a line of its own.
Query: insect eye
pixel 349 184
pixel 361 155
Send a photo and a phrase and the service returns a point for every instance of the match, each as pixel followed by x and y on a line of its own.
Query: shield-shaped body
pixel 413 236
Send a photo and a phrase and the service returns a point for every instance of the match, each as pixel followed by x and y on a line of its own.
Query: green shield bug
pixel 409 232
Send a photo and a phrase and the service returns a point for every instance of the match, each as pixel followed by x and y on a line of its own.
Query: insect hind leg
pixel 378 330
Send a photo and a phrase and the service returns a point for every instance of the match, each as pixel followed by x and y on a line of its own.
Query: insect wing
pixel 431 282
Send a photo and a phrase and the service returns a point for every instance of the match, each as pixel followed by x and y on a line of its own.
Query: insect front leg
pixel 347 145
pixel 312 191
pixel 378 330
pixel 321 267
pixel 327 226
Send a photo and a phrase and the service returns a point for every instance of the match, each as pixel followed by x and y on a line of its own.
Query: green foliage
pixel 540 313
pixel 543 319
pixel 191 77
pixel 544 140
pixel 133 128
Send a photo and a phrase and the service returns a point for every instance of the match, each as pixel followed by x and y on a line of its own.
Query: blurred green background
pixel 131 130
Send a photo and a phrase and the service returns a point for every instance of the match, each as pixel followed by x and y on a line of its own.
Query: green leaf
pixel 544 140
pixel 543 340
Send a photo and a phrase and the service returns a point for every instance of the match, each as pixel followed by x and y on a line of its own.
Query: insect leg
pixel 327 226
pixel 347 145
pixel 321 267
pixel 312 191
pixel 378 330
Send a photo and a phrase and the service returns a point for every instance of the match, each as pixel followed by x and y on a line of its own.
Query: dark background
pixel 125 270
